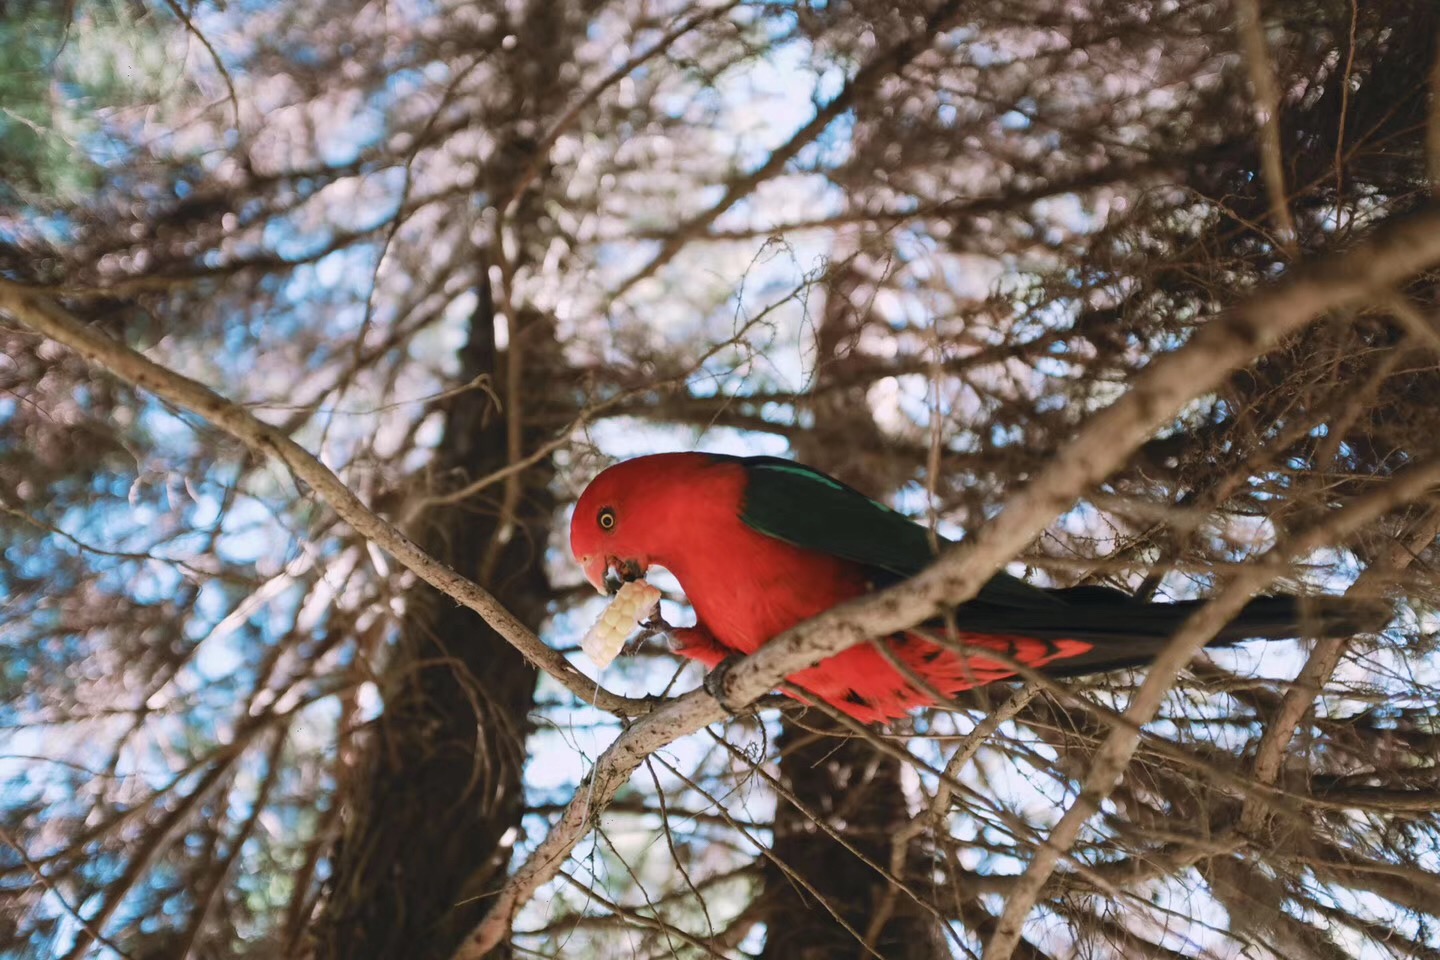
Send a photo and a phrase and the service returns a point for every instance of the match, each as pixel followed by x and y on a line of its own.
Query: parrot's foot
pixel 715 684
pixel 652 627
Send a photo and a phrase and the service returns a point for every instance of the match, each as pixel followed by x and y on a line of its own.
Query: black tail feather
pixel 1127 632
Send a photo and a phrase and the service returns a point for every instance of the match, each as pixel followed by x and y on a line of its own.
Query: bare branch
pixel 1156 396
pixel 884 65
pixel 52 320
pixel 1323 660
pixel 1432 132
pixel 1232 340
pixel 1267 111
pixel 1115 753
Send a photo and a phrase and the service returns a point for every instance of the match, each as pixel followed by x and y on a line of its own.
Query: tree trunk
pixel 844 782
pixel 431 834
pixel 430 828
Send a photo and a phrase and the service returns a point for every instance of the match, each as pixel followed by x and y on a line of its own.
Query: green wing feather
pixel 800 505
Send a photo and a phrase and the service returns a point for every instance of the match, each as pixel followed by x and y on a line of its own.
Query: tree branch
pixel 1158 394
pixel 1114 755
pixel 1267 111
pixel 1228 342
pixel 1323 660
pixel 887 63
pixel 49 318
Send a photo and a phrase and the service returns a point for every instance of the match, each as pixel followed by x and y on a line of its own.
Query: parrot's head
pixel 634 514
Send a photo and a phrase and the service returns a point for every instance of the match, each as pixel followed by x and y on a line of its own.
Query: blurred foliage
pixel 67 67
pixel 917 244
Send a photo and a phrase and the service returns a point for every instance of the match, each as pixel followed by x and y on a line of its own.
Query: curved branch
pixel 1161 391
pixel 49 318
pixel 1116 751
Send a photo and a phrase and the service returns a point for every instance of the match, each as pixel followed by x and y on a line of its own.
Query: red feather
pixel 683 512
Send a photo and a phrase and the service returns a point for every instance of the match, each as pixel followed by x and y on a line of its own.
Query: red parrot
pixel 760 544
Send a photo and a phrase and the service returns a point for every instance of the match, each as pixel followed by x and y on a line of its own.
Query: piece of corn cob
pixel 603 641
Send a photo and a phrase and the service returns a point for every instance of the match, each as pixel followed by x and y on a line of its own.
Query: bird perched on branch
pixel 760 544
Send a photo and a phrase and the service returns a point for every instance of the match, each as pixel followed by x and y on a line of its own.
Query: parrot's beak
pixel 606 574
pixel 595 569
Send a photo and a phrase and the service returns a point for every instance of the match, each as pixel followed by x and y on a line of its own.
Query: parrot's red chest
pixel 755 588
pixel 747 588
pixel 687 513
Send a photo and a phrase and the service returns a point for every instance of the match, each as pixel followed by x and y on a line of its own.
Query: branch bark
pixel 1115 753
pixel 1321 664
pixel 49 318
pixel 1267 110
pixel 1394 254
pixel 887 63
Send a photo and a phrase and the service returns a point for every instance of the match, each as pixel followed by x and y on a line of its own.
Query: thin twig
pixel 1230 341
pixel 1267 111
pixel 54 321
pixel 885 65
pixel 1432 132
pixel 932 817
pixel 541 150
pixel 1114 755
pixel 220 68
pixel 39 874
pixel 1324 658
pixel 1344 113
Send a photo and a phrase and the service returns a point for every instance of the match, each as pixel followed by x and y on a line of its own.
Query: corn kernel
pixel 632 603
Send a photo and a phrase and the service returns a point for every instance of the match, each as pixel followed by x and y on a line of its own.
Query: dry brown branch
pixel 1115 753
pixel 1323 660
pixel 932 817
pixel 894 876
pixel 636 918
pixel 1392 256
pixel 1226 343
pixel 886 64
pixel 557 129
pixel 1432 132
pixel 957 208
pixel 89 928
pixel 161 836
pixel 206 897
pixel 1267 112
pixel 215 59
pixel 1344 113
pixel 52 320
pixel 1024 216
pixel 1157 395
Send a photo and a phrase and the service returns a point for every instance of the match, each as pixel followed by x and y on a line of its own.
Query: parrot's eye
pixel 607 518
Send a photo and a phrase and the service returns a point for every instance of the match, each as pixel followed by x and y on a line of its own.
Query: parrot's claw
pixel 715 684
pixel 651 627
